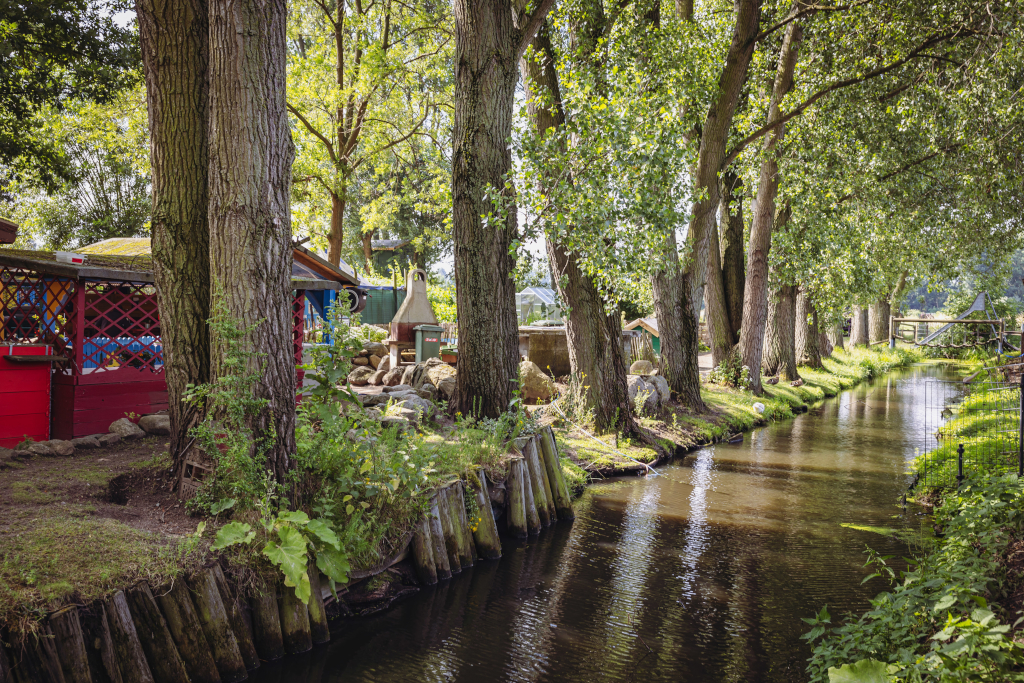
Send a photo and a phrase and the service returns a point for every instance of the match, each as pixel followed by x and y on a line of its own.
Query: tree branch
pixel 532 25
pixel 810 9
pixel 309 126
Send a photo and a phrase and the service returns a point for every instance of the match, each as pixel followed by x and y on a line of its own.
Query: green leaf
pixel 222 505
pixel 945 602
pixel 290 556
pixel 231 534
pixel 294 516
pixel 334 564
pixel 324 532
pixel 864 671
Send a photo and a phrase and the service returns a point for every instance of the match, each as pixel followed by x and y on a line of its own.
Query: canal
pixel 700 574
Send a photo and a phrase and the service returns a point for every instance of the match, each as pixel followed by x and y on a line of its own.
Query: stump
pixel 516 500
pixel 266 626
pixel 130 658
pixel 423 554
pixel 187 632
pixel 67 636
pixel 485 533
pixel 214 619
pixel 164 661
pixel 294 622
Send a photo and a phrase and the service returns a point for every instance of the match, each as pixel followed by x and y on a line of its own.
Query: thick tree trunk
pixel 859 326
pixel 487 46
pixel 175 57
pixel 717 312
pixel 835 336
pixel 824 343
pixel 755 295
pixel 878 320
pixel 779 335
pixel 251 154
pixel 678 333
pixel 733 267
pixel 336 238
pixel 594 336
pixel 808 338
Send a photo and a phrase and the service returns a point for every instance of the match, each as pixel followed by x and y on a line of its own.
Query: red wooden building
pixel 102 321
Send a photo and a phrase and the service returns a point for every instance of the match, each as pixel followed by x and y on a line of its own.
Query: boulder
pixel 641 367
pixel 359 360
pixel 86 442
pixel 375 361
pixel 362 353
pixel 413 375
pixel 398 388
pixel 360 376
pixel 126 429
pixel 37 448
pixel 61 447
pixel 374 399
pixel 393 377
pixel 661 384
pixel 428 391
pixel 636 384
pixel 156 424
pixel 438 372
pixel 446 388
pixel 373 348
pixel 536 386
pixel 6 456
pixel 395 421
pixel 419 405
pixel 431 362
pixel 377 378
pixel 108 439
pixel 385 363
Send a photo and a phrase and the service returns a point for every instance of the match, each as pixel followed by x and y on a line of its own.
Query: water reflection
pixel 698 575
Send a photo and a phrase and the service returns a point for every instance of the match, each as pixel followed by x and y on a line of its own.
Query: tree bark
pixel 488 44
pixel 808 339
pixel 717 312
pixel 251 153
pixel 175 57
pixel 779 336
pixel 835 336
pixel 594 336
pixel 859 327
pixel 367 239
pixel 878 320
pixel 733 267
pixel 755 295
pixel 336 238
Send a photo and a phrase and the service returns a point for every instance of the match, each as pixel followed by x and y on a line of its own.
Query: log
pixel 266 626
pixel 214 619
pixel 67 636
pixel 99 645
pixel 6 676
pixel 423 554
pixel 319 630
pixel 549 451
pixel 485 531
pixel 444 569
pixel 463 536
pixel 516 500
pixel 164 661
pixel 35 659
pixel 130 658
pixel 294 622
pixel 541 488
pixel 187 631
pixel 532 516
pixel 240 626
pixel 451 544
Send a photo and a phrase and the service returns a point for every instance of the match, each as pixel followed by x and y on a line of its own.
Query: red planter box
pixel 24 395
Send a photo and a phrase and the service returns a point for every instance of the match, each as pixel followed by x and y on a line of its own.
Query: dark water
pixel 701 574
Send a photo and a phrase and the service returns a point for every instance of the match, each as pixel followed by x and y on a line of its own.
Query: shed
pixel 649 325
pixel 537 303
pixel 398 253
pixel 8 231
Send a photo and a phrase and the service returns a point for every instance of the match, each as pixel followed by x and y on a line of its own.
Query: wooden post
pixel 892 334
pixel 294 622
pixel 532 516
pixel 130 659
pixel 444 569
pixel 240 626
pixel 6 676
pixel 485 533
pixel 164 661
pixel 549 450
pixel 451 543
pixel 35 659
pixel 266 626
pixel 516 500
pixel 542 496
pixel 318 628
pixel 99 645
pixel 187 631
pixel 467 548
pixel 423 554
pixel 67 636
pixel 214 618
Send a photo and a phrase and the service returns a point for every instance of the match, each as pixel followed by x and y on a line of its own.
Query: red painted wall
pixel 24 396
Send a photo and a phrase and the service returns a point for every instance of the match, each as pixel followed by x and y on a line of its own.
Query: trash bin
pixel 428 342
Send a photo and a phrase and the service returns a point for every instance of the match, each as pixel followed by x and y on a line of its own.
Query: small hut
pixel 650 326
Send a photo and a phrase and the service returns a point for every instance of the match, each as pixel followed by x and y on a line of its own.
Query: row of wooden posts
pixel 205 631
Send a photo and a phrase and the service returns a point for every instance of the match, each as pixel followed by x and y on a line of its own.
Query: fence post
pixel 1020 426
pixel 959 465
pixel 892 334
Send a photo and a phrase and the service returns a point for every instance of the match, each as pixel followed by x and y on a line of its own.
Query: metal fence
pixel 970 429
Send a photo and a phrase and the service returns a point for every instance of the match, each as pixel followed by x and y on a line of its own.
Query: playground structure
pixel 982 304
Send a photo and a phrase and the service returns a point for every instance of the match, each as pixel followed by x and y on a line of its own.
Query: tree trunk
pixel 859 327
pixel 487 49
pixel 678 332
pixel 779 335
pixel 594 336
pixel 251 154
pixel 733 267
pixel 336 238
pixel 824 343
pixel 835 336
pixel 808 339
pixel 755 295
pixel 368 251
pixel 175 57
pixel 878 320
pixel 717 313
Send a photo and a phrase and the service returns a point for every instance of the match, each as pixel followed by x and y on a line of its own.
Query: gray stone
pixel 418 405
pixel 661 384
pixel 375 362
pixel 438 372
pixel 385 363
pixel 126 429
pixel 86 442
pixel 108 439
pixel 535 385
pixel 38 448
pixel 373 348
pixel 635 385
pixel 432 362
pixel 360 376
pixel 402 423
pixel 374 399
pixel 393 377
pixel 362 353
pixel 61 447
pixel 6 456
pixel 427 391
pixel 397 388
pixel 641 367
pixel 376 378
pixel 360 361
pixel 413 375
pixel 156 424
pixel 446 388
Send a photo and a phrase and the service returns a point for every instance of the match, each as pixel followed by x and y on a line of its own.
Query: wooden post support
pixel 444 569
pixel 164 661
pixel 35 659
pixel 6 675
pixel 130 659
pixel 467 548
pixel 99 645
pixel 485 533
pixel 266 626
pixel 542 496
pixel 892 334
pixel 294 622
pixel 532 516
pixel 451 544
pixel 554 468
pixel 214 618
pixel 240 626
pixel 516 500
pixel 318 628
pixel 187 631
pixel 423 554
pixel 67 636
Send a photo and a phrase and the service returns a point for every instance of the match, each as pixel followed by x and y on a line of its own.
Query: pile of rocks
pixel 158 424
pixel 371 364
pixel 643 379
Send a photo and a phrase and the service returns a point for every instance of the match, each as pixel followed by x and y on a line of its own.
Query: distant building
pixel 399 254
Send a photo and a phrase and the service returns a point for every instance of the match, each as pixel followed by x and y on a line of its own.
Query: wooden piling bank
pixel 203 631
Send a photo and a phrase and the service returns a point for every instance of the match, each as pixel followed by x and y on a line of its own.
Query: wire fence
pixel 970 429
